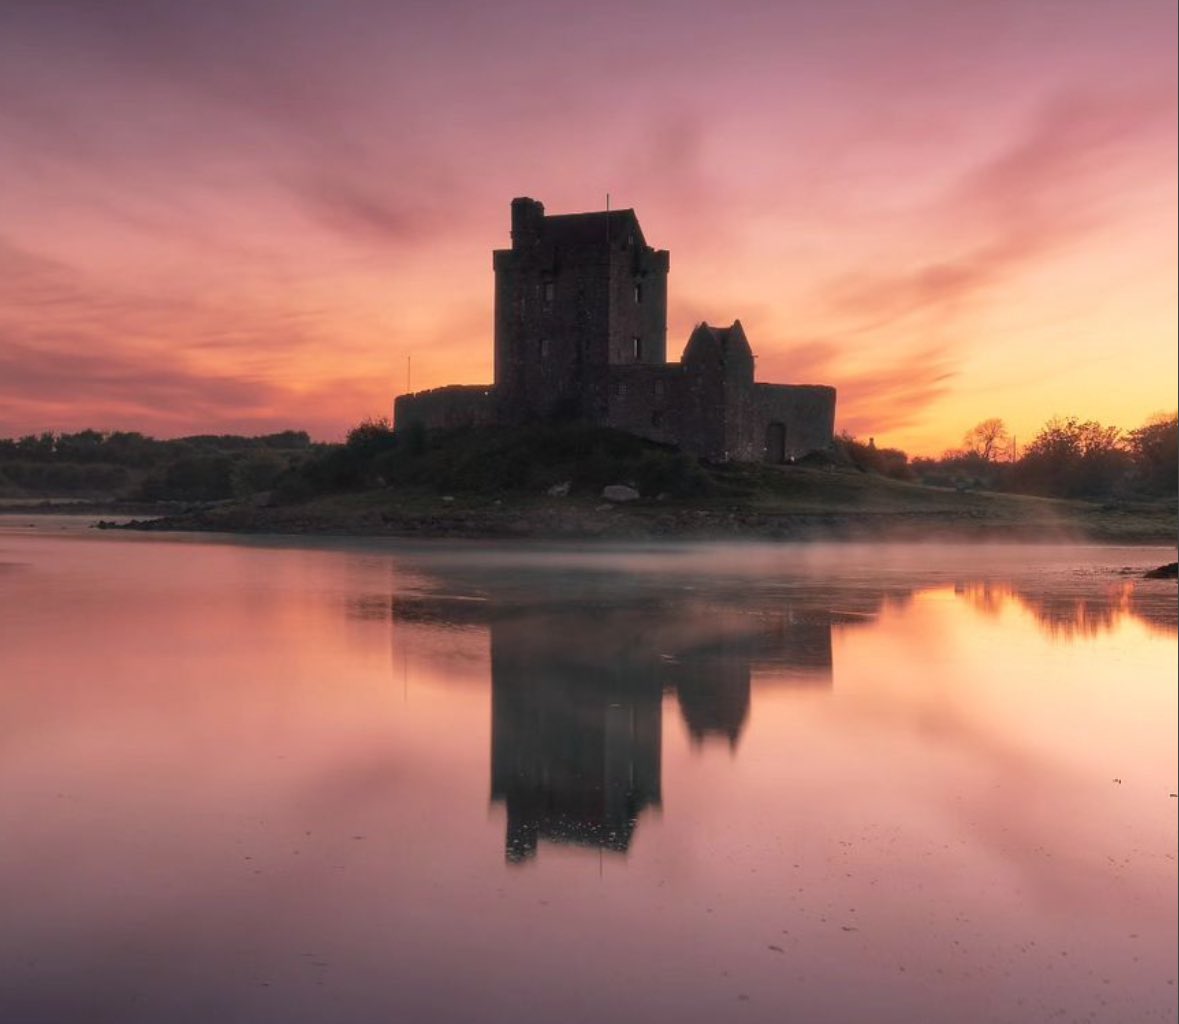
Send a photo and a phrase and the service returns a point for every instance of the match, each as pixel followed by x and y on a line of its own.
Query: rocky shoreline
pixel 566 519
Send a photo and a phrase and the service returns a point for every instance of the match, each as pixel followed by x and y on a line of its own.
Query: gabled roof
pixel 582 229
pixel 726 341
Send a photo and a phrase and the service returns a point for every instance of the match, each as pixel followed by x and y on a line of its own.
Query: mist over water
pixel 350 781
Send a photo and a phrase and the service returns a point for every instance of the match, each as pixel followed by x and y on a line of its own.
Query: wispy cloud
pixel 353 209
pixel 1050 187
pixel 74 353
pixel 885 396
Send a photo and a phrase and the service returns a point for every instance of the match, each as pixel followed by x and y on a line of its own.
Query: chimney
pixel 527 215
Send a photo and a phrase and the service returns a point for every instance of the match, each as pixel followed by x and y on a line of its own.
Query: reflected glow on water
pixel 360 782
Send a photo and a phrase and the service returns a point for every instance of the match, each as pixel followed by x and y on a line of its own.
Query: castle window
pixel 620 389
pixel 543 348
pixel 638 292
pixel 549 291
pixel 638 347
pixel 659 389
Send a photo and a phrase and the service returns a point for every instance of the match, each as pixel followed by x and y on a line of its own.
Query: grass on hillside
pixel 482 477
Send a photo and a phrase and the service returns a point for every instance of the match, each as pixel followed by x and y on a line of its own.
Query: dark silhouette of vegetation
pixel 1068 458
pixel 486 461
pixel 981 464
pixel 987 441
pixel 1154 449
pixel 1073 459
pixel 889 462
pixel 125 465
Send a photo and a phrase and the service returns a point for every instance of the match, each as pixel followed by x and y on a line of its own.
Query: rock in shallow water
pixel 1169 571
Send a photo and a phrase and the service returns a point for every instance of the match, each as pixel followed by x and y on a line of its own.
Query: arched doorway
pixel 776 442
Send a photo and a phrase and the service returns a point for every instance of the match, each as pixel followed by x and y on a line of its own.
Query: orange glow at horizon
pixel 252 220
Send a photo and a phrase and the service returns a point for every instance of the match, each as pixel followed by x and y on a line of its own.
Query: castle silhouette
pixel 581 336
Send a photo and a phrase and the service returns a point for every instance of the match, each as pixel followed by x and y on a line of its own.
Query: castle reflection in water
pixel 581 667
pixel 577 693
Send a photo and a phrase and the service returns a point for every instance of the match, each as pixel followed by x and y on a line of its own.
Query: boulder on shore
pixel 1169 571
pixel 619 492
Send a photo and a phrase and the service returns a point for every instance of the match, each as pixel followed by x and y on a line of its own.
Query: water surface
pixel 373 781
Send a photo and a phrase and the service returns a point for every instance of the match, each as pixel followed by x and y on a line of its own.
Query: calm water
pixel 363 782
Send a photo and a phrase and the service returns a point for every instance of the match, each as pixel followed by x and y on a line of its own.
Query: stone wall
pixel 638 303
pixel 806 413
pixel 645 400
pixel 717 415
pixel 550 321
pixel 574 295
pixel 458 405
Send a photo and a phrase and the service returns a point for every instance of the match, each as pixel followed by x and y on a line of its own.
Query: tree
pixel 200 477
pixel 890 462
pixel 131 448
pixel 256 471
pixel 1154 447
pixel 84 446
pixel 38 447
pixel 370 437
pixel 1069 458
pixel 988 440
pixel 287 439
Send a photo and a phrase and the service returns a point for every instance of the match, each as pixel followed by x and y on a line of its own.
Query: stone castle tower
pixel 581 335
pixel 574 295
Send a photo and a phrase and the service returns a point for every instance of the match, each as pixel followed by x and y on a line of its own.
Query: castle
pixel 581 336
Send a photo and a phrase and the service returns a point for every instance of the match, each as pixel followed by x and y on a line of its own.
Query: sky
pixel 253 215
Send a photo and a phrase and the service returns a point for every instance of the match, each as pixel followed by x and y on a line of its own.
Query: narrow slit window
pixel 549 291
pixel 637 344
pixel 638 292
pixel 544 348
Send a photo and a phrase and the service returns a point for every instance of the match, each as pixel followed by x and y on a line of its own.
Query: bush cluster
pixel 496 460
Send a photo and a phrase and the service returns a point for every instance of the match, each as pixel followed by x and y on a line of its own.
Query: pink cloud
pixel 1046 190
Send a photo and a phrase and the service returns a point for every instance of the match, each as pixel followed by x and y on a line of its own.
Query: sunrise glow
pixel 246 217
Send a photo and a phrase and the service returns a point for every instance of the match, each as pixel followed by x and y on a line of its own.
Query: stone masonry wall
pixel 806 412
pixel 644 400
pixel 572 298
pixel 458 405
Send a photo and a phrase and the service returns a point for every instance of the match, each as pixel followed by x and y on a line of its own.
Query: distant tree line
pixel 129 465
pixel 1068 458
